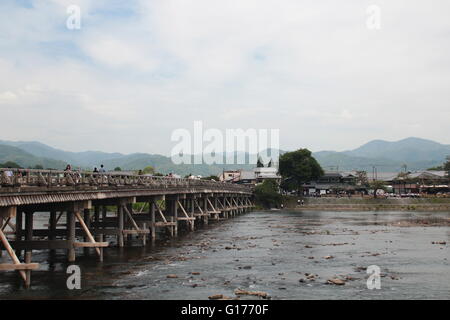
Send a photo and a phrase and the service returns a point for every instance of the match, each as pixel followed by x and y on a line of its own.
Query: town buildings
pixel 255 176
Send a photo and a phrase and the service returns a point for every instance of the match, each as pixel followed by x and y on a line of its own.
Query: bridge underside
pixel 89 218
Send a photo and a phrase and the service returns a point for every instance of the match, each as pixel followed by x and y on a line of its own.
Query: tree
pixel 211 177
pixel 10 164
pixel 438 168
pixel 259 163
pixel 361 178
pixel 377 185
pixel 297 168
pixel 267 195
pixel 447 164
pixel 117 169
pixel 444 167
pixel 148 170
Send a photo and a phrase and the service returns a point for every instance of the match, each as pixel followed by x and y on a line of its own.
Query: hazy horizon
pixel 137 70
pixel 168 155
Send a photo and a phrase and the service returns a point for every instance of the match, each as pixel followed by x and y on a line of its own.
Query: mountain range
pixel 387 156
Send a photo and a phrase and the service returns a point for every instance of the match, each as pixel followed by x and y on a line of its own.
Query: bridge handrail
pixel 13 177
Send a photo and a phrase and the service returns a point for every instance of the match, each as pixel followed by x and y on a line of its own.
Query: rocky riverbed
pixel 265 255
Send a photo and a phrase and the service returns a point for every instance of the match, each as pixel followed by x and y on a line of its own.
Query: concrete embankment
pixel 370 204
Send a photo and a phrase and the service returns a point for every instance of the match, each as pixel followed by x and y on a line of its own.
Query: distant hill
pixel 409 149
pixel 387 156
pixel 25 159
pixel 30 153
pixel 86 158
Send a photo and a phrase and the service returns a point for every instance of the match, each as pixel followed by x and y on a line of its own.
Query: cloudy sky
pixel 137 70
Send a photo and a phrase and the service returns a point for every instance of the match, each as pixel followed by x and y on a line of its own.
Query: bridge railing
pixel 11 177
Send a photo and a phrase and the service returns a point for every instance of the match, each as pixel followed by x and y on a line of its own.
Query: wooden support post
pixel 52 227
pixel 19 226
pixel 128 218
pixel 28 237
pixel 216 205
pixel 1 229
pixel 175 216
pixel 104 215
pixel 203 216
pixel 88 236
pixel 151 206
pixel 189 220
pixel 96 217
pixel 144 236
pixel 171 210
pixel 190 204
pixel 12 254
pixel 205 207
pixel 70 217
pixel 87 222
pixel 120 238
pixel 100 239
pixel 214 211
pixel 192 207
pixel 227 207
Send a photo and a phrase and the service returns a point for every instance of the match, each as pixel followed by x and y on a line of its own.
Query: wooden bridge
pixel 85 209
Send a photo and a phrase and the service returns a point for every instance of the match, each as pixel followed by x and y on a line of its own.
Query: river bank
pixel 367 204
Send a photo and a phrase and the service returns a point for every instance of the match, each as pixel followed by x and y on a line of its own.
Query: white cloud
pixel 310 68
pixel 7 96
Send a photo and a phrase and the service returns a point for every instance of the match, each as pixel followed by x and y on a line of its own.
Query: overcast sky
pixel 137 70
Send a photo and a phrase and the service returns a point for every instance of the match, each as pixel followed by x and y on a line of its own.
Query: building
pixel 266 173
pixel 229 175
pixel 246 177
pixel 333 182
pixel 421 182
pixel 255 176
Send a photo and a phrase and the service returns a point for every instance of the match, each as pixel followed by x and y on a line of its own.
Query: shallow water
pixel 263 251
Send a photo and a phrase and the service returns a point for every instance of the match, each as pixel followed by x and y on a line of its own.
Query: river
pixel 287 254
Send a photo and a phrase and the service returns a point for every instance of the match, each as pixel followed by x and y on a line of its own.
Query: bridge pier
pixel 28 237
pixel 120 222
pixel 70 227
pixel 205 209
pixel 152 213
pixel 52 228
pixel 172 213
pixel 19 226
pixel 87 221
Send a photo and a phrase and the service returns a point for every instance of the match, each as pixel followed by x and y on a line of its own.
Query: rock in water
pixel 336 281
